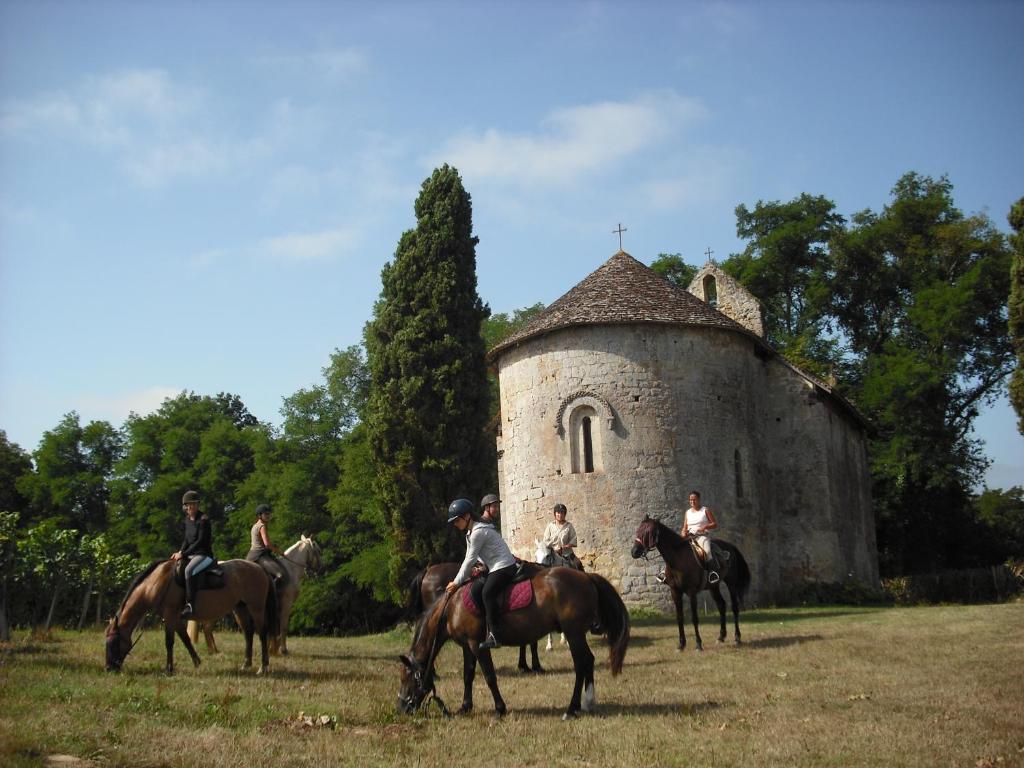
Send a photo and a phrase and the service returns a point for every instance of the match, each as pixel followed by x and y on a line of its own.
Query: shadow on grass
pixel 781 642
pixel 762 616
pixel 618 710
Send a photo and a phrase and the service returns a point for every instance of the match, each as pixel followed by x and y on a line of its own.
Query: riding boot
pixel 190 598
pixel 712 569
pixel 491 641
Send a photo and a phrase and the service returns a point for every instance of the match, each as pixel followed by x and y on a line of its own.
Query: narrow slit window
pixel 710 290
pixel 588 446
pixel 739 474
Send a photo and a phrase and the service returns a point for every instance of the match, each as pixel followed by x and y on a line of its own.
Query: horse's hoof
pixel 263 671
pixel 569 716
pixel 523 670
pixel 538 670
pixel 464 710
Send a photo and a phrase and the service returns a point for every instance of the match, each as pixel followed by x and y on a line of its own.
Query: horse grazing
pixel 300 558
pixel 685 575
pixel 563 598
pixel 429 584
pixel 247 592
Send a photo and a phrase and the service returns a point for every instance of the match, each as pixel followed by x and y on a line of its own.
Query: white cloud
pixel 571 142
pixel 326 245
pixel 317 246
pixel 116 408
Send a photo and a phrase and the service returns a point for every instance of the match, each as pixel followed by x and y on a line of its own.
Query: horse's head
pixel 543 553
pixel 416 684
pixel 646 537
pixel 310 550
pixel 118 645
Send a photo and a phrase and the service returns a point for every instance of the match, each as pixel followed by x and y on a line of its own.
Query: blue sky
pixel 202 195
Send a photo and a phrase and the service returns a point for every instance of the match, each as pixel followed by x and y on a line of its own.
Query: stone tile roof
pixel 625 291
pixel 622 290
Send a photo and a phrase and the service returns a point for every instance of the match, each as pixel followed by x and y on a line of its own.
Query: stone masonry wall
pixel 675 408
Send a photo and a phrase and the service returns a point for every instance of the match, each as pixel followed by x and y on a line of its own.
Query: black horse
pixel 685 575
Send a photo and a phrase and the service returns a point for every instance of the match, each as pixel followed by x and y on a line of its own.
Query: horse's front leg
pixel 535 659
pixel 211 643
pixel 487 665
pixel 468 673
pixel 696 621
pixel 169 643
pixel 264 649
pixel 244 619
pixel 677 601
pixel 187 642
pixel 716 593
pixel 522 659
pixel 735 617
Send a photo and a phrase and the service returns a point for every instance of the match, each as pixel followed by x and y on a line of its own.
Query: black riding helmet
pixel 459 508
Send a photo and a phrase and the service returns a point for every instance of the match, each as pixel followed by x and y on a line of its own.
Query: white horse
pixel 546 556
pixel 300 557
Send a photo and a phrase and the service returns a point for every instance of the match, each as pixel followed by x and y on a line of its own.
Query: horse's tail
pixel 415 603
pixel 614 619
pixel 740 581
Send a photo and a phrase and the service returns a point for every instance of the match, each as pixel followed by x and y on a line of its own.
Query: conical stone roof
pixel 621 291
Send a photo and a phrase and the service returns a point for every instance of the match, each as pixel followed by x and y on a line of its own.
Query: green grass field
pixel 930 686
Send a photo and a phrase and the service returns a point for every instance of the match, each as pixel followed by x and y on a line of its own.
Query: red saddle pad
pixel 517 596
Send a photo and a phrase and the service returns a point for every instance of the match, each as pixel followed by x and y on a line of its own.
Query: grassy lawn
pixel 930 686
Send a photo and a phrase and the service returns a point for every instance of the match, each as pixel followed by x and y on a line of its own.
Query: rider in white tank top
pixel 696 522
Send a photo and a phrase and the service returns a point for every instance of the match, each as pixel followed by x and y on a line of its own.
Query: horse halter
pixel 429 693
pixel 650 539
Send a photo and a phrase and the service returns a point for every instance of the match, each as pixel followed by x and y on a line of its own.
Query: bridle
pixel 430 693
pixel 649 544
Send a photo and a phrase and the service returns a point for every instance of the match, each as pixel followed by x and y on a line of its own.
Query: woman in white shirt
pixel 560 535
pixel 697 521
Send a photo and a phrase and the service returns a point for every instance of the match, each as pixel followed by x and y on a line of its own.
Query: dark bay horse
pixel 429 584
pixel 247 592
pixel 685 575
pixel 564 599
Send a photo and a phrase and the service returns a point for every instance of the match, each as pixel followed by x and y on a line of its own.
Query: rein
pixel 435 648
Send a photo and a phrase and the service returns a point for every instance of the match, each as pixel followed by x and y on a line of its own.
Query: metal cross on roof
pixel 708 253
pixel 620 230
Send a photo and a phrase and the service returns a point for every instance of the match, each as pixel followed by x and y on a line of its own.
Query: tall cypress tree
pixel 1016 218
pixel 428 403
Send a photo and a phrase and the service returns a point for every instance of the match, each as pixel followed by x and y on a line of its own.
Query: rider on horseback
pixel 696 522
pixel 261 550
pixel 483 542
pixel 560 535
pixel 197 547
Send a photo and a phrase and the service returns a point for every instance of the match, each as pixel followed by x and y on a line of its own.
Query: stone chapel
pixel 628 391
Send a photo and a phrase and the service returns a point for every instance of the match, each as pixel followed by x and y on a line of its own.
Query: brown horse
pixel 429 584
pixel 685 575
pixel 564 599
pixel 247 592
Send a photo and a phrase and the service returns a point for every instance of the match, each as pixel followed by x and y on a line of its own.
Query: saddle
pixel 211 577
pixel 721 554
pixel 518 594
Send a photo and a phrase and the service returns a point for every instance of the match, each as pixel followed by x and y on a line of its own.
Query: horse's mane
pixel 674 536
pixel 135 583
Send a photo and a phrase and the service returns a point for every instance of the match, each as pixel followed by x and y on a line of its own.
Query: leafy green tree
pixel 50 558
pixel 787 264
pixel 1001 516
pixel 74 465
pixel 14 464
pixel 8 568
pixel 297 471
pixel 428 403
pixel 1016 310
pixel 191 442
pixel 672 267
pixel 920 293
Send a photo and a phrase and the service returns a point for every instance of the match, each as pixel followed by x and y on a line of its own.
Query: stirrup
pixel 490 642
pixel 661 576
pixel 187 611
pixel 713 577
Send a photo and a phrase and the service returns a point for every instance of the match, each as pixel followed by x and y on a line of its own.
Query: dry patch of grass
pixel 826 686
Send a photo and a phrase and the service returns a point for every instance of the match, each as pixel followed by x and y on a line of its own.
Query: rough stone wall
pixel 674 408
pixel 733 300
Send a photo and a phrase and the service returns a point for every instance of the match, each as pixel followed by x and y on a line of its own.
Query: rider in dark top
pixel 196 547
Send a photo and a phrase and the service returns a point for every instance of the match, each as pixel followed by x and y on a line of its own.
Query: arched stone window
pixel 584 440
pixel 584 417
pixel 710 290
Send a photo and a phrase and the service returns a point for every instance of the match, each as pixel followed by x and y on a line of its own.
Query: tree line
pixel 904 312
